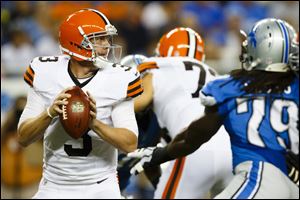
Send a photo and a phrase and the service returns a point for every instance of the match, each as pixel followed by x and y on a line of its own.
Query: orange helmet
pixel 181 42
pixel 77 32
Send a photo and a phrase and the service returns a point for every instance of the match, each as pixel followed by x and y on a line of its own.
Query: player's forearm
pixel 180 147
pixel 198 132
pixel 121 138
pixel 177 148
pixel 33 129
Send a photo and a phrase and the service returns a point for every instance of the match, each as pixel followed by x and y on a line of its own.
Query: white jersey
pixel 89 158
pixel 176 86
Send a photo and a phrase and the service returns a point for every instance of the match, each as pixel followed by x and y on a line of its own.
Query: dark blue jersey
pixel 261 126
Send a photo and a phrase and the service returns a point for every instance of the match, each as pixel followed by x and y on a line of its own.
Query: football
pixel 76 114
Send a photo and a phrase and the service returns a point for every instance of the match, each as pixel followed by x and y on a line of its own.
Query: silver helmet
pixel 269 46
pixel 133 60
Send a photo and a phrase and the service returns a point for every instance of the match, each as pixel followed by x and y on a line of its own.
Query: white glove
pixel 145 156
pixel 294 175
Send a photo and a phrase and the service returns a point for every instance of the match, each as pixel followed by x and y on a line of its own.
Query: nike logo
pixel 98 182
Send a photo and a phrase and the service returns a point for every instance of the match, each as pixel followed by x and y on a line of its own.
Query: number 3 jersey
pixel 261 126
pixel 88 159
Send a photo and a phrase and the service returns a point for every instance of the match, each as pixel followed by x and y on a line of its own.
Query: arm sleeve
pixel 217 90
pixel 34 106
pixel 123 116
pixel 207 100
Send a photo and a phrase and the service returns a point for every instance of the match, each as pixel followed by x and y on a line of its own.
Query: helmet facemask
pixel 103 49
pixel 294 56
pixel 247 60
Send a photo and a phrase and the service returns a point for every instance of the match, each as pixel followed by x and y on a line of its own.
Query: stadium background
pixel 30 29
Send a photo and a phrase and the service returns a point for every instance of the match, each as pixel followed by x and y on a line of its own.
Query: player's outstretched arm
pixel 199 132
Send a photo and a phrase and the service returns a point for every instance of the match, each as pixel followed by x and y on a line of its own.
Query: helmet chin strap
pixel 75 54
pixel 101 63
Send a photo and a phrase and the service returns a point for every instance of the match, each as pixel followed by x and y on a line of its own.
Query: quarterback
pixel 86 167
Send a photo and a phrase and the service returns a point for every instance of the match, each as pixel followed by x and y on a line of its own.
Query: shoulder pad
pixel 220 89
pixel 40 68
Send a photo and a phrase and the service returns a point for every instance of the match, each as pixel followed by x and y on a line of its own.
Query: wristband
pixel 48 113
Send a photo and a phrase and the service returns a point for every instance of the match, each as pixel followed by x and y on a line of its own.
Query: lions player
pixel 171 85
pixel 83 168
pixel 259 107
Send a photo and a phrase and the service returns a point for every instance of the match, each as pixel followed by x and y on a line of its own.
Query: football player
pixel 172 81
pixel 83 168
pixel 259 107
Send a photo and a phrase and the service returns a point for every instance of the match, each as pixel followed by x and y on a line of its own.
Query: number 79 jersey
pixel 176 85
pixel 261 126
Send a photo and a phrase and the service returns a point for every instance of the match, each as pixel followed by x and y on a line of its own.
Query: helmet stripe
pixel 286 41
pixel 170 51
pixel 188 42
pixel 196 42
pixel 101 15
pixel 192 44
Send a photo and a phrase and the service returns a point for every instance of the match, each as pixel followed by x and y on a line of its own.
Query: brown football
pixel 76 114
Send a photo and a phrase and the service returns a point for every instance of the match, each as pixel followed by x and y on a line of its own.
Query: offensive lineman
pixel 171 85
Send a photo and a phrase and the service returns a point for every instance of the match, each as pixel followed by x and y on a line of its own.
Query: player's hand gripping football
pixel 93 111
pixel 61 99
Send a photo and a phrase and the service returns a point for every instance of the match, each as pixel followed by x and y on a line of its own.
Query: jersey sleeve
pixel 219 92
pixel 34 106
pixel 213 92
pixel 37 74
pixel 123 116
pixel 134 86
pixel 32 72
pixel 43 72
pixel 29 76
pixel 145 66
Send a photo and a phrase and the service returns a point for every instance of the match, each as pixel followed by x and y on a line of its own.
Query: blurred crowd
pixel 30 29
